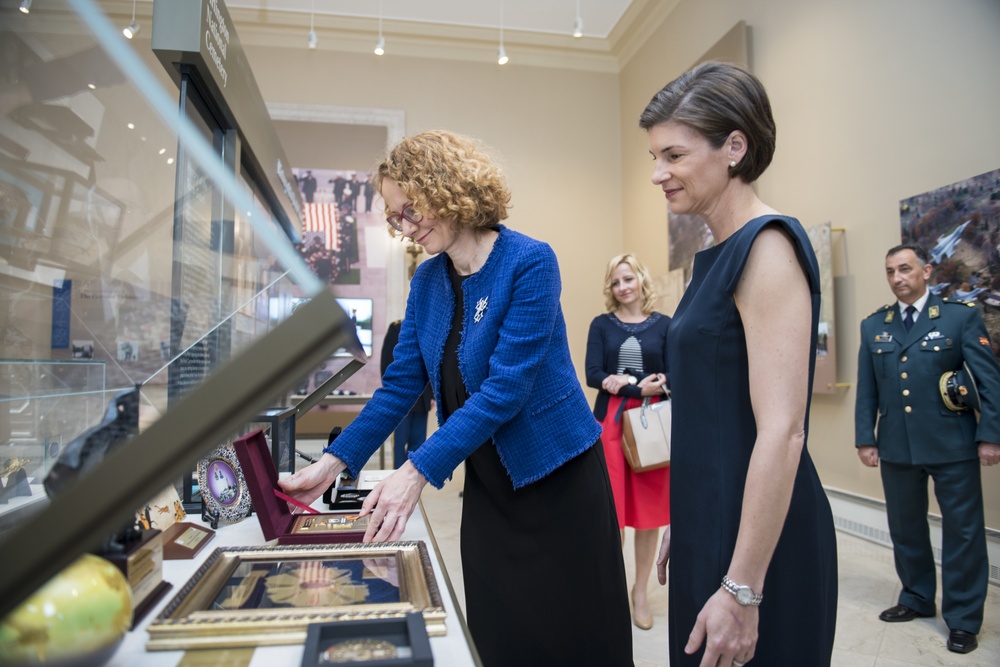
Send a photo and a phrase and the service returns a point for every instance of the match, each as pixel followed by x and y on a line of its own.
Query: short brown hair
pixel 647 293
pixel 449 175
pixel 922 256
pixel 715 99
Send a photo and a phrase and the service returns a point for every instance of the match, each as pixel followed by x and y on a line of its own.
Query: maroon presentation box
pixel 276 520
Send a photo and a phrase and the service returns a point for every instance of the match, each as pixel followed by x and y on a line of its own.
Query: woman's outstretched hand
pixel 308 484
pixel 391 503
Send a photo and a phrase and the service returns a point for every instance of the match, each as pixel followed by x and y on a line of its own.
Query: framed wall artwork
pixel 959 226
pixel 825 380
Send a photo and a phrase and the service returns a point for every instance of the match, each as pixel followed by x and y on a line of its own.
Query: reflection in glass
pixel 124 261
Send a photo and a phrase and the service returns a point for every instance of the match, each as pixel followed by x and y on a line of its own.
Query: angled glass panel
pixel 137 251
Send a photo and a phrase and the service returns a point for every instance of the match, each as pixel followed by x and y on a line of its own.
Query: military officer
pixel 905 349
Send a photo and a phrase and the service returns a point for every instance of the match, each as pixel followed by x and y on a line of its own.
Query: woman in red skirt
pixel 627 361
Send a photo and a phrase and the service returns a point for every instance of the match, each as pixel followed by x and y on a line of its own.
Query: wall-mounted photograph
pixel 959 226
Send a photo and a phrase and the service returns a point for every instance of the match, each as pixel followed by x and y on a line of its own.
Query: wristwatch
pixel 633 379
pixel 743 594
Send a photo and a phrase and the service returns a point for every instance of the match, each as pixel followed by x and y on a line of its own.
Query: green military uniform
pixel 918 436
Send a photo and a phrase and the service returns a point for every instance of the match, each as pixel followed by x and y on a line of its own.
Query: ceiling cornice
pixel 411 39
pixel 636 25
pixel 423 40
pixel 451 42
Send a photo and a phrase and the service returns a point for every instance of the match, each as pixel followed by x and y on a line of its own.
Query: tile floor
pixel 868 585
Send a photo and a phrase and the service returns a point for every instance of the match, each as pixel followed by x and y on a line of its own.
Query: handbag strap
pixel 621 410
pixel 621 407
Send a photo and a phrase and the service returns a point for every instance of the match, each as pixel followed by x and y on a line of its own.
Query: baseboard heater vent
pixel 865 518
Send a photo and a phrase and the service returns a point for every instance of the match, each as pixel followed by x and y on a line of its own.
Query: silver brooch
pixel 480 308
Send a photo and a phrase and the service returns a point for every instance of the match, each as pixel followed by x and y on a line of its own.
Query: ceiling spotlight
pixel 501 52
pixel 312 26
pixel 380 42
pixel 132 29
pixel 25 6
pixel 578 24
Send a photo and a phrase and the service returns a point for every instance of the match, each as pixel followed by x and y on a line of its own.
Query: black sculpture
pixel 89 449
pixel 85 452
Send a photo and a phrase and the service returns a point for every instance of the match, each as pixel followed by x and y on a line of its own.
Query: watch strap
pixel 753 599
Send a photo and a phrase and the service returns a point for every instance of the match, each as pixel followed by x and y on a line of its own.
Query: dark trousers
pixel 409 435
pixel 964 561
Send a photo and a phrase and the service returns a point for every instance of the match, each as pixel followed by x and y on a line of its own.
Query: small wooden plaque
pixel 183 540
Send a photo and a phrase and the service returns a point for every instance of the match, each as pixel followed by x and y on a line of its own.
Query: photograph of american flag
pixel 322 218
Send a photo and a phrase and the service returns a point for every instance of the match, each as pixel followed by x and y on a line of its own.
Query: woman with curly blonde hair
pixel 484 326
pixel 627 362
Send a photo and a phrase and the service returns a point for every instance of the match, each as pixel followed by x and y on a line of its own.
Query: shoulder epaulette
pixel 880 310
pixel 959 302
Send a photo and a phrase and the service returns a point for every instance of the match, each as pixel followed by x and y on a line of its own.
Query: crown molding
pixel 636 26
pixel 424 40
pixel 411 39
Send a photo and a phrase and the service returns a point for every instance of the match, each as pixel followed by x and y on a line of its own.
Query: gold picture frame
pixel 268 595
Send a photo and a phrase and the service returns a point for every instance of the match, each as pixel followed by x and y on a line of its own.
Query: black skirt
pixel 543 569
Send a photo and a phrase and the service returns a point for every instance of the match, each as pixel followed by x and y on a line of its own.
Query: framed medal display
pixel 269 595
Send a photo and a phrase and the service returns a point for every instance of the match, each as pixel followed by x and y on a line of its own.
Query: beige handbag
pixel 646 435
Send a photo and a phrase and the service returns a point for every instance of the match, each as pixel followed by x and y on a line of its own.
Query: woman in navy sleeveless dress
pixel 751 548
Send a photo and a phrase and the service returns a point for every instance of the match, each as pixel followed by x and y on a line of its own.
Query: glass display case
pixel 43 405
pixel 141 243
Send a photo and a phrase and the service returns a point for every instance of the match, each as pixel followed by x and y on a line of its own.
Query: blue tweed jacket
pixel 514 358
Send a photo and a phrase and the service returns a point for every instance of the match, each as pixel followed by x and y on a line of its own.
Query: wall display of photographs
pixel 959 226
pixel 334 201
pixel 128 350
pixel 83 349
pixel 344 232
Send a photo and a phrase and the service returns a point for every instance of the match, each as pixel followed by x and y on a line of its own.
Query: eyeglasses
pixel 408 213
